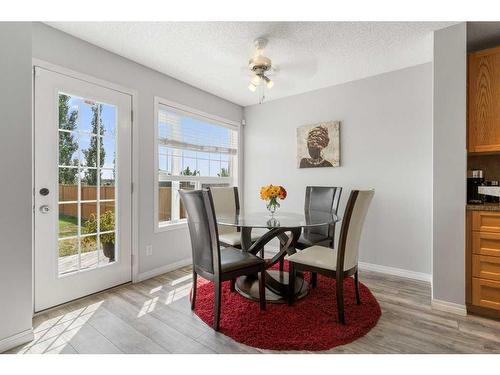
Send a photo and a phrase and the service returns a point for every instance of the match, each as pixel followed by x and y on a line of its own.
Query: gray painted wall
pixel 449 164
pixel 386 143
pixel 62 49
pixel 15 187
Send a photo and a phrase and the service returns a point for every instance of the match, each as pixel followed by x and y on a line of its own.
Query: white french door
pixel 82 188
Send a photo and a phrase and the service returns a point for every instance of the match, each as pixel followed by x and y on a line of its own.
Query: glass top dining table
pixel 279 219
pixel 287 228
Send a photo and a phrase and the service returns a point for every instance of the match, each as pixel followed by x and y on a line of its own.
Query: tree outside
pixel 67 144
pixel 90 177
pixel 188 172
pixel 224 172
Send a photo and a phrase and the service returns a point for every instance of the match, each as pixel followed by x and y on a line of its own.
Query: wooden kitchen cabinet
pixel 483 101
pixel 483 263
pixel 486 293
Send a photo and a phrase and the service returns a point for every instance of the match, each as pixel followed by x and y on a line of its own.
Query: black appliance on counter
pixel 491 198
pixel 474 180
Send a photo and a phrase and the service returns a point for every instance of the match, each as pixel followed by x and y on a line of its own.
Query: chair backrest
pixel 352 225
pixel 226 202
pixel 322 199
pixel 202 229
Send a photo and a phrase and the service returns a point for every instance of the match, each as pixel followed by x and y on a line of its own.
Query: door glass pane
pixel 88 184
pixel 89 256
pixel 86 114
pixel 107 184
pixel 88 150
pixel 68 149
pixel 108 117
pixel 108 152
pixel 68 220
pixel 68 184
pixel 87 158
pixel 68 256
pixel 107 219
pixel 107 248
pixel 88 218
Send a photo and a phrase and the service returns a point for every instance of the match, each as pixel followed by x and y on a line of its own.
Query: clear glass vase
pixel 272 206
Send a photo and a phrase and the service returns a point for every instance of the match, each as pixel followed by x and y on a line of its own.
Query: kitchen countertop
pixel 483 207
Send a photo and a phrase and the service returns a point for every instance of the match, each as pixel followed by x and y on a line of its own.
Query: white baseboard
pixel 396 271
pixel 163 269
pixel 381 269
pixel 450 307
pixel 16 340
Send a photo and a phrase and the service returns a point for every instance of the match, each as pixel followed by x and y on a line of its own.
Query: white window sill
pixel 166 227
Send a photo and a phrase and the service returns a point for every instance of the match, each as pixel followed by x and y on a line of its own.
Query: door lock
pixel 45 209
pixel 44 191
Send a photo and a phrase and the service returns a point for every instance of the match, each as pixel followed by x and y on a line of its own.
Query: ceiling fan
pixel 261 68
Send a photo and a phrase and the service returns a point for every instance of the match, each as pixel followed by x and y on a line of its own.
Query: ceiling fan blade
pixel 302 69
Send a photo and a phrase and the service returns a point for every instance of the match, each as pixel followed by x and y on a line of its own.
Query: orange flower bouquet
pixel 271 194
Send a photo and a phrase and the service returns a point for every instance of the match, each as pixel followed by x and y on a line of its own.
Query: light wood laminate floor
pixel 154 317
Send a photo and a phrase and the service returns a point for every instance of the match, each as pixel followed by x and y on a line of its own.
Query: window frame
pixel 235 180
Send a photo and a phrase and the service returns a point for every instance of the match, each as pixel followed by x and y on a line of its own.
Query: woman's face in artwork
pixel 317 140
pixel 314 150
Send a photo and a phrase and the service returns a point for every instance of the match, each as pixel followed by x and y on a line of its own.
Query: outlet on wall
pixel 149 250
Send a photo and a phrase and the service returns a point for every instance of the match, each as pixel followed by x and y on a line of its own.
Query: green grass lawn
pixel 68 226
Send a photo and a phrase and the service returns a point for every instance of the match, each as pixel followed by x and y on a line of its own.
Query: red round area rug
pixel 310 324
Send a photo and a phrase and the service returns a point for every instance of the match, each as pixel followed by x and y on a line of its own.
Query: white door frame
pixel 134 157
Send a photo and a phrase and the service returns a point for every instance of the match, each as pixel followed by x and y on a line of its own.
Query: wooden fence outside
pixel 88 193
pixel 165 204
pixel 70 193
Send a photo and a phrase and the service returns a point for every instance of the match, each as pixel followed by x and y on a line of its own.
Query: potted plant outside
pixel 107 223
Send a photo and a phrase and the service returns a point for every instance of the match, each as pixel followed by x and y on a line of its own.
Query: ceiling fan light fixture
pixel 260 65
pixel 269 83
pixel 255 80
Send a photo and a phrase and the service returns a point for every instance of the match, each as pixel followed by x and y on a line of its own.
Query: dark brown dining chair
pixel 318 200
pixel 209 260
pixel 327 261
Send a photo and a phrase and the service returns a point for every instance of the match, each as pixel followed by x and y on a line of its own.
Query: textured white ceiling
pixel 309 55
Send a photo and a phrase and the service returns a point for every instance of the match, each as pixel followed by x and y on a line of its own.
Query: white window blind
pixel 193 152
pixel 189 144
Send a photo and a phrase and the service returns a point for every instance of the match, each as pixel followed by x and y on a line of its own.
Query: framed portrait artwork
pixel 318 145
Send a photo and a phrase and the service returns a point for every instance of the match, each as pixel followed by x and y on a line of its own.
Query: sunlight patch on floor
pixel 54 335
pixel 148 307
pixel 166 297
pixel 177 294
pixel 157 289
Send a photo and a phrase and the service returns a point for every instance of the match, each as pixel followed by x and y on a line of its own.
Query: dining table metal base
pixel 276 286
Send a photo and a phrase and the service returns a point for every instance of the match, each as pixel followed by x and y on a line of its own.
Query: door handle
pixel 45 209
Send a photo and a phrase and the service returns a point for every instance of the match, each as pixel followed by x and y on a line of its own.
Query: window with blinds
pixel 193 152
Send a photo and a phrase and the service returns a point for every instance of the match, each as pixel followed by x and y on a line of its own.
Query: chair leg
pixel 340 299
pixel 282 264
pixel 193 290
pixel 233 285
pixel 262 290
pixel 217 285
pixel 262 252
pixel 314 279
pixel 292 273
pixel 356 286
